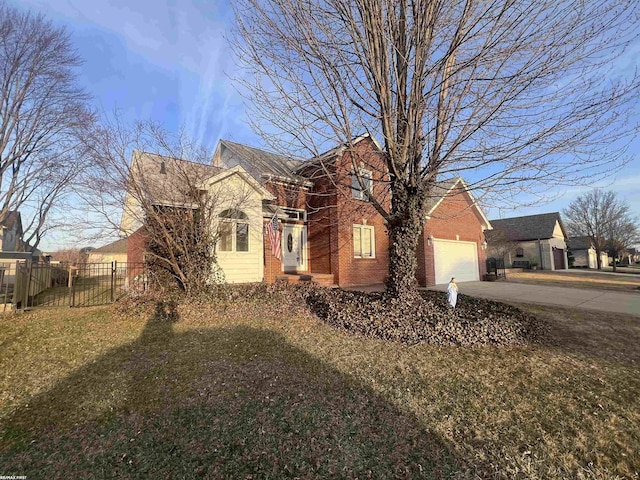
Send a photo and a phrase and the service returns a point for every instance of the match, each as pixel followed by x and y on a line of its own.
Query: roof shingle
pixel 167 180
pixel 119 246
pixel 530 227
pixel 265 163
pixel 579 243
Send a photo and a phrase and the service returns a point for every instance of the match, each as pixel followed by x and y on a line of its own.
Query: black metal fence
pixel 25 284
pixel 496 266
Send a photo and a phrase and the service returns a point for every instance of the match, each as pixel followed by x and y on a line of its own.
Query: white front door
pixel 294 248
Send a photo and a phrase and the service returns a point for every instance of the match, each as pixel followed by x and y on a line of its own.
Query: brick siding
pixel 454 218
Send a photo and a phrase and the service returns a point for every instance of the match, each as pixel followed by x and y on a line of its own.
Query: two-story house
pixel 329 229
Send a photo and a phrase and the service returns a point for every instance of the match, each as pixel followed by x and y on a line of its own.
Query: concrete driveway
pixel 592 299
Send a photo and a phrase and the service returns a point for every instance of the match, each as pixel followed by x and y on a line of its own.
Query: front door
pixel 294 248
pixel 558 259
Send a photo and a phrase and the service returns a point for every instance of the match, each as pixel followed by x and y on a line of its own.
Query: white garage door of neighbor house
pixel 455 259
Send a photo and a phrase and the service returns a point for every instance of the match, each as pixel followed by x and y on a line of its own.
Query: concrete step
pixel 322 279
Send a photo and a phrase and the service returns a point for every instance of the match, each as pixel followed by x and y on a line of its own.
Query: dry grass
pixel 245 392
pixel 578 280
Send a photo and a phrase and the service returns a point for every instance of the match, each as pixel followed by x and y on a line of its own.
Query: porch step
pixel 322 279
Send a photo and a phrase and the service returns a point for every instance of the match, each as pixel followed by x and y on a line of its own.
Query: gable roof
pixel 166 180
pixel 238 170
pixel 335 152
pixel 119 246
pixel 530 227
pixel 579 243
pixel 440 191
pixel 265 164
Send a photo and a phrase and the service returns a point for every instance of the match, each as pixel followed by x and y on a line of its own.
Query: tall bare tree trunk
pixel 405 226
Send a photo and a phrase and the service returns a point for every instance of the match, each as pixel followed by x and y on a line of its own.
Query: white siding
pixel 581 258
pixel 241 267
pixel 585 258
pixel 557 231
pixel 107 257
pixel 541 251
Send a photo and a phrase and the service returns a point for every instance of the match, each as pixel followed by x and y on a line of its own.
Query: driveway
pixel 592 299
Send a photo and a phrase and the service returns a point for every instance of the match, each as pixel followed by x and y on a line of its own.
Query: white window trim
pixel 301 213
pixel 234 233
pixel 362 193
pixel 362 229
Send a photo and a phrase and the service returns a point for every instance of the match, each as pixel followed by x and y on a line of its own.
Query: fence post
pixel 114 265
pixel 27 284
pixel 72 286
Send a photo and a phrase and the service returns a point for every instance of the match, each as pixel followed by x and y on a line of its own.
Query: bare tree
pixel 622 233
pixel 602 217
pixel 42 114
pixel 518 95
pixel 166 197
pixel 499 246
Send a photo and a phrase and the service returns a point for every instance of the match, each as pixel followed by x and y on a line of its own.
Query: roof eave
pixel 487 224
pixel 283 179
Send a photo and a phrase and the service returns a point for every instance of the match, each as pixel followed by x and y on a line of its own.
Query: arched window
pixel 233 231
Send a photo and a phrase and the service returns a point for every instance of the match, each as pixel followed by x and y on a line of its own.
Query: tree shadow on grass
pixel 219 403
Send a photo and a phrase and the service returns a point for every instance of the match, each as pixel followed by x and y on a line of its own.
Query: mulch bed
pixel 428 319
pixel 425 319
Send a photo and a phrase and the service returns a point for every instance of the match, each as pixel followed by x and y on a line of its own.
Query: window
pixel 295 214
pixel 519 252
pixel 364 241
pixel 356 189
pixel 233 231
pixel 225 236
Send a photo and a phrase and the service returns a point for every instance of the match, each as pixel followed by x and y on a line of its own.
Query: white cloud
pixel 182 37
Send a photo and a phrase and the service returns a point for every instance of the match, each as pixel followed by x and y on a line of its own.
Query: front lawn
pixel 244 391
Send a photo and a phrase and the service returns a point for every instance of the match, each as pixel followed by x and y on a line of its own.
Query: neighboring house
pixel 14 250
pixel 629 257
pixel 12 234
pixel 112 252
pixel 584 254
pixel 330 231
pixel 12 247
pixel 529 240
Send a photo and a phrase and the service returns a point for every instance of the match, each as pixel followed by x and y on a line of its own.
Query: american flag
pixel 274 236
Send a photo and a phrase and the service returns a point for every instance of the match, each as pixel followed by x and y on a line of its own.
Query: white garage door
pixel 455 259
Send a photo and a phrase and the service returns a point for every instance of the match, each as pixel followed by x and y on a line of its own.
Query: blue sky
pixel 162 59
pixel 168 60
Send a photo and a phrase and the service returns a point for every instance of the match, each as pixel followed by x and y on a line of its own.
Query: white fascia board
pixel 473 200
